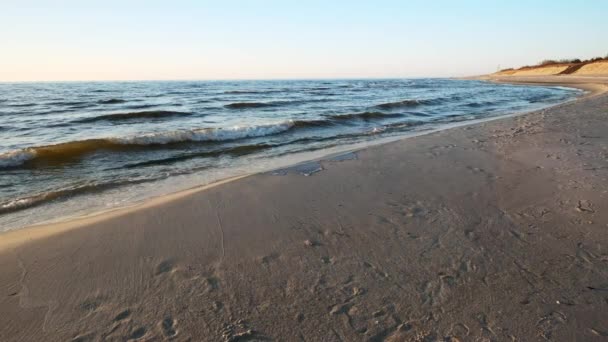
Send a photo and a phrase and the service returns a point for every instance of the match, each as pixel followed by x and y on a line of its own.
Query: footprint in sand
pixel 585 206
pixel 122 316
pixel 167 326
pixel 549 323
pixel 137 333
pixel 213 283
pixel 164 267
pixel 267 259
pixel 217 306
pixel 460 331
pixel 377 270
pixel 90 305
pixel 239 332
pixel 486 330
pixel 471 235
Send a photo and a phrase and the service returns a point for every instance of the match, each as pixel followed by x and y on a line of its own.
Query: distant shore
pixel 595 84
pixel 494 230
pixel 595 67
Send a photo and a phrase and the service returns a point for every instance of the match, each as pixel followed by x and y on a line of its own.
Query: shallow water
pixel 132 140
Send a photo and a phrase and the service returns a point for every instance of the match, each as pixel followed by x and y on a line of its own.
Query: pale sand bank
pixel 600 68
pixel 596 69
pixel 492 231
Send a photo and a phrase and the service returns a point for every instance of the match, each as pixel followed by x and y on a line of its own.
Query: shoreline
pixel 492 230
pixel 130 177
pixel 71 222
pixel 596 85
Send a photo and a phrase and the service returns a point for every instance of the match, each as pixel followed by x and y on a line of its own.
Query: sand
pixel 496 231
pixel 540 71
pixel 599 69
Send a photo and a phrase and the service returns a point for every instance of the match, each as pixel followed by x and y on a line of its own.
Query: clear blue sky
pixel 86 40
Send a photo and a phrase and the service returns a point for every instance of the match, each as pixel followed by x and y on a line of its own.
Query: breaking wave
pixel 45 197
pixel 73 150
pixel 69 151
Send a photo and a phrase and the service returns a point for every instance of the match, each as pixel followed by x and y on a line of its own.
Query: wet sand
pixel 496 231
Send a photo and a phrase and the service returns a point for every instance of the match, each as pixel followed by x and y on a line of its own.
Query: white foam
pixel 16 158
pixel 206 134
pixel 376 130
pixel 18 203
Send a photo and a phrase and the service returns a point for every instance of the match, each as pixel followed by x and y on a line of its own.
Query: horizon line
pixel 234 79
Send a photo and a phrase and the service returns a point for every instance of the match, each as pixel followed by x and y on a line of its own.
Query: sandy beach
pixel 495 231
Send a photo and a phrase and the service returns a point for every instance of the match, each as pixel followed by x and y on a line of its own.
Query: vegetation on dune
pixel 561 61
pixel 572 64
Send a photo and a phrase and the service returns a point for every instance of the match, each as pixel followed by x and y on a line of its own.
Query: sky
pixel 284 39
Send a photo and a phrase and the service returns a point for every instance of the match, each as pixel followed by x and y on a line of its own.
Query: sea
pixel 73 148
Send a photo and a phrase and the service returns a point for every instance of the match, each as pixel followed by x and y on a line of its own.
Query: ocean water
pixel 71 148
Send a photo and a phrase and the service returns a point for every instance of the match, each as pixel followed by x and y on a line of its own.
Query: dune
pixel 549 70
pixel 593 69
pixel 598 68
pixel 535 71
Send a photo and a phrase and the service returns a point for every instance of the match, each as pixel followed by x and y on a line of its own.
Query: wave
pixel 145 106
pixel 54 111
pixel 405 104
pixel 38 199
pixel 480 104
pixel 45 197
pixel 365 116
pixel 419 114
pixel 399 125
pixel 206 134
pixel 243 105
pixel 42 198
pixel 322 93
pixel 331 120
pixel 69 103
pixel 111 101
pixel 320 89
pixel 15 158
pixel 242 92
pixel 235 151
pixel 539 98
pixel 153 114
pixel 270 91
pixel 74 150
pixel 69 152
pixel 23 105
pixel 312 123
